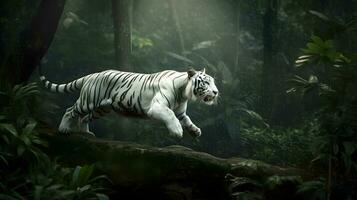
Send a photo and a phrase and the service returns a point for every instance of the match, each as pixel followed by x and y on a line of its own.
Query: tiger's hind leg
pixel 104 108
pixel 69 122
pixel 83 124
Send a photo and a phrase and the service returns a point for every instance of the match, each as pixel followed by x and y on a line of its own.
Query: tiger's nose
pixel 215 92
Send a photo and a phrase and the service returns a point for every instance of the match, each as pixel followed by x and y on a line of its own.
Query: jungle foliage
pixel 286 71
pixel 26 171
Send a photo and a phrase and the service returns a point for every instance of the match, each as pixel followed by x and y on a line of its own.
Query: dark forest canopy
pixel 286 71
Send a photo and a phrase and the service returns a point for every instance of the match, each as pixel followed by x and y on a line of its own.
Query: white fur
pixel 154 101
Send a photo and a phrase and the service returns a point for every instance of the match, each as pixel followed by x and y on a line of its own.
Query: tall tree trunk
pixel 270 74
pixel 121 11
pixel 35 42
pixel 237 30
pixel 176 21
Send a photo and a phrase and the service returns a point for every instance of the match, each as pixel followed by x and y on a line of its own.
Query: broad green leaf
pixel 10 128
pixel 85 173
pixel 102 196
pixel 75 176
pixel 314 48
pixel 318 41
pixel 26 139
pixel 29 128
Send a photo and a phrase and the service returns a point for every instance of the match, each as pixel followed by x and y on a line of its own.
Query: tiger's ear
pixel 191 72
pixel 204 70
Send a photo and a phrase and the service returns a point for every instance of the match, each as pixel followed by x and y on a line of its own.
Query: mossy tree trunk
pixel 131 165
pixel 121 13
pixel 35 41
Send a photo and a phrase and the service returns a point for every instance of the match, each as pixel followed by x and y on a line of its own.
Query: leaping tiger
pixel 162 96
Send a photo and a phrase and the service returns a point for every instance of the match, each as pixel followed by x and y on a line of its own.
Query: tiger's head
pixel 202 87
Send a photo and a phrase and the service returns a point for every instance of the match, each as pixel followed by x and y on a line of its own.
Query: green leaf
pixel 6 139
pixel 75 176
pixel 81 175
pixel 104 177
pixel 316 185
pixel 314 48
pixel 85 173
pixel 10 128
pixel 4 160
pixel 29 128
pixel 179 57
pixel 318 41
pixel 102 196
pixel 55 187
pixel 26 140
pixel 84 188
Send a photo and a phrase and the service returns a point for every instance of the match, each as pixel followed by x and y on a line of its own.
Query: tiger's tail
pixel 61 88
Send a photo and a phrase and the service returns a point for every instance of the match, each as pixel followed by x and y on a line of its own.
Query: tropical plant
pixel 314 189
pixel 335 82
pixel 20 140
pixel 283 146
pixel 26 171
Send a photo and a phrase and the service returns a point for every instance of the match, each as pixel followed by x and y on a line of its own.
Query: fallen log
pixel 131 165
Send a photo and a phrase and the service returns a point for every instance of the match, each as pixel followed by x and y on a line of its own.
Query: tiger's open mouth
pixel 208 98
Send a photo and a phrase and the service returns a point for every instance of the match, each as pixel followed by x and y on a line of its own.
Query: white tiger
pixel 162 96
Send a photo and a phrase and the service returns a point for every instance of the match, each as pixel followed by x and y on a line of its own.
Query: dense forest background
pixel 286 71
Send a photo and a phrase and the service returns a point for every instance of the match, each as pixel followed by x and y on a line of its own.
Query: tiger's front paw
pixel 194 131
pixel 175 129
